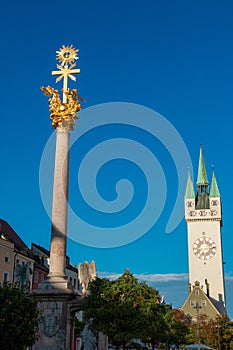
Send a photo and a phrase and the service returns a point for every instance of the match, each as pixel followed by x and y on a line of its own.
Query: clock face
pixel 204 248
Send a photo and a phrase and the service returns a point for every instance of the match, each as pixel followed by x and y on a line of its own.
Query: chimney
pixel 207 288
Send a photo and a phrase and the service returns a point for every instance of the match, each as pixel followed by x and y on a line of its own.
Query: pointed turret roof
pixel 189 193
pixel 202 177
pixel 214 191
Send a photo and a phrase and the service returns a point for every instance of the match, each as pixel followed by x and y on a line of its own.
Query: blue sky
pixel 174 58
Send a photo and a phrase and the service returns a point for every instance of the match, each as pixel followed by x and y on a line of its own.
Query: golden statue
pixel 63 113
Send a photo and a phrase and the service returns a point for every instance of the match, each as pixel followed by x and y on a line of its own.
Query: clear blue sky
pixel 175 57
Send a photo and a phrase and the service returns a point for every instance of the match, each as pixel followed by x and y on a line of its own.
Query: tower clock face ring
pixel 204 248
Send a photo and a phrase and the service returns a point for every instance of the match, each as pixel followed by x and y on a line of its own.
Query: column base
pixel 55 284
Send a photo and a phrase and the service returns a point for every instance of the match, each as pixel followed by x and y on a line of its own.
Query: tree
pixel 224 330
pixel 18 318
pixel 125 309
pixel 152 317
pixel 214 332
pixel 177 328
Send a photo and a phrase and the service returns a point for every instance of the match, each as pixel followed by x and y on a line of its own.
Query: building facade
pixel 16 262
pixel 7 255
pixel 27 267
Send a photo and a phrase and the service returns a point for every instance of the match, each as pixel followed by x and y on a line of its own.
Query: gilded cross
pixel 66 55
pixel 65 73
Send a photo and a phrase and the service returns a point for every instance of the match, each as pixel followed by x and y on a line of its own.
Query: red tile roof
pixel 12 236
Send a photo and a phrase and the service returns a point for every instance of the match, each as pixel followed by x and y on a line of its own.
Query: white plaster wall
pixel 211 269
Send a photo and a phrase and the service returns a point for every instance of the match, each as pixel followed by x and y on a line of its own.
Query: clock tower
pixel 204 220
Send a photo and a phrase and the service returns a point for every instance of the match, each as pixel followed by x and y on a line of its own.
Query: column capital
pixel 63 115
pixel 67 125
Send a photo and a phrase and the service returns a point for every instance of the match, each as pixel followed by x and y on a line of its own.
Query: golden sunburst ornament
pixel 67 55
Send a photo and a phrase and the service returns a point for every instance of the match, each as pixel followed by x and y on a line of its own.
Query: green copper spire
pixel 202 177
pixel 214 191
pixel 189 193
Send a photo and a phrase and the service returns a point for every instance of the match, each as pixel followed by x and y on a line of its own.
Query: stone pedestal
pixel 56 331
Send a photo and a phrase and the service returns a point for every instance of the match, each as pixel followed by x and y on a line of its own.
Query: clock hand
pixel 204 249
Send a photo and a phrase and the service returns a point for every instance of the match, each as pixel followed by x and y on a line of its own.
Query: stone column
pixel 57 273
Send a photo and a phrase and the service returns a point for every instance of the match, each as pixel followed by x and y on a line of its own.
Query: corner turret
pixel 214 191
pixel 189 193
pixel 189 196
pixel 215 200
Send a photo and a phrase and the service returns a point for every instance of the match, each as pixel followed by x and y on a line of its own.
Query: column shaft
pixel 59 208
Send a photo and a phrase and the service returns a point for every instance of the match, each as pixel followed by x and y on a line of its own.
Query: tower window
pixel 192 303
pixel 196 292
pixel 7 259
pixel 6 277
pixel 203 303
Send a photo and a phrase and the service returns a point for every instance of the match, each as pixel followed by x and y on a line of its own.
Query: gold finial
pixel 66 56
pixel 63 113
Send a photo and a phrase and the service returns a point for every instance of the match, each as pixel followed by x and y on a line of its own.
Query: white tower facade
pixel 203 215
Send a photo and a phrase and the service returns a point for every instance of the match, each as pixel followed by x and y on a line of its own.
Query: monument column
pixel 63 115
pixel 56 296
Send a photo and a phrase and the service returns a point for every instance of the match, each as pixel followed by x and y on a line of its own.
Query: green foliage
pixel 18 319
pixel 177 327
pixel 214 332
pixel 125 309
pixel 111 310
pixel 225 332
